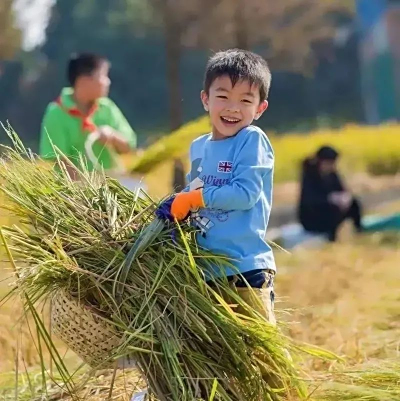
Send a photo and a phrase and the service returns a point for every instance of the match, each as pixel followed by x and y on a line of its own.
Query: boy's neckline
pixel 221 139
pixel 228 137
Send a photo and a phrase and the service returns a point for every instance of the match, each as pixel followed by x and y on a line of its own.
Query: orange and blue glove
pixel 185 202
pixel 180 205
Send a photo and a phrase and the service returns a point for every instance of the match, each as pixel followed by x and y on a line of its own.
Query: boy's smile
pixel 230 120
pixel 232 107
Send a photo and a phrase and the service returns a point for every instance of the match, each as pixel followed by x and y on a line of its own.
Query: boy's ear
pixel 261 108
pixel 204 100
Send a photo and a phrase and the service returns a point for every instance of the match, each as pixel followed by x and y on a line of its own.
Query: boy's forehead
pixel 224 83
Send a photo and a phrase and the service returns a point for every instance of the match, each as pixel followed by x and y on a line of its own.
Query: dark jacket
pixel 315 190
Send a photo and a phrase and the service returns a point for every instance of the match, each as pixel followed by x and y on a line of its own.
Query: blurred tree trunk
pixel 179 176
pixel 173 52
pixel 240 26
pixel 173 48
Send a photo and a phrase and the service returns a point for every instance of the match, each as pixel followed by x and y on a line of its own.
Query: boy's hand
pixel 184 202
pixel 108 136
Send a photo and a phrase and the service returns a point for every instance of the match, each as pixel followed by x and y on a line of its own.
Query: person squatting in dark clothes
pixel 325 203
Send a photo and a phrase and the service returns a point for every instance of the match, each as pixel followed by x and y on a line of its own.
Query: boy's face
pixel 97 84
pixel 232 108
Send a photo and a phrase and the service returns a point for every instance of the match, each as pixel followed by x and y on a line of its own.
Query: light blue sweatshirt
pixel 236 175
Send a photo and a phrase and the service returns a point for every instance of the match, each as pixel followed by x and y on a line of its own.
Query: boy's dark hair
pixel 83 64
pixel 239 65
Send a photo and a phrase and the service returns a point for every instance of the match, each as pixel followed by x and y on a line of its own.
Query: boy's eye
pixel 222 97
pixel 246 101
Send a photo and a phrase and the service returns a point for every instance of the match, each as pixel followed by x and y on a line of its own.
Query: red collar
pixel 87 123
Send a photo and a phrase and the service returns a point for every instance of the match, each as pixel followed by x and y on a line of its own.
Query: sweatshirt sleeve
pixel 253 162
pixel 121 124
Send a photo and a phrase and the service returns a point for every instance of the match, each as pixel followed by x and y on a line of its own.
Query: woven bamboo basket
pixel 83 330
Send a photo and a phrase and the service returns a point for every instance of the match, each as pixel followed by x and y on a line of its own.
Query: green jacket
pixel 66 132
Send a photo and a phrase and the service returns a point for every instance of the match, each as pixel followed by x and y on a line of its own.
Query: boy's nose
pixel 233 107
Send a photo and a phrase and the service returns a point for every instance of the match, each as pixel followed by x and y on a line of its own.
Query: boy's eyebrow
pixel 221 89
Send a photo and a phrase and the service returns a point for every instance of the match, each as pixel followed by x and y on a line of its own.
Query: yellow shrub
pixel 373 149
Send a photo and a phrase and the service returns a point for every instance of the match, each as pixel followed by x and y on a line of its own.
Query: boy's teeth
pixel 231 120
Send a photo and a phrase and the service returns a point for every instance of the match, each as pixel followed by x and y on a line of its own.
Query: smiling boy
pixel 230 192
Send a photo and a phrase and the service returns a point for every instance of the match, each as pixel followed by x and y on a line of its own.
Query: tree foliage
pixel 158 50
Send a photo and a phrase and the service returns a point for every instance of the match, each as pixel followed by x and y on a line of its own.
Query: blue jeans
pixel 254 278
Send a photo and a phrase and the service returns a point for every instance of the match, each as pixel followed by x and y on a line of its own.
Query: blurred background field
pixel 336 74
